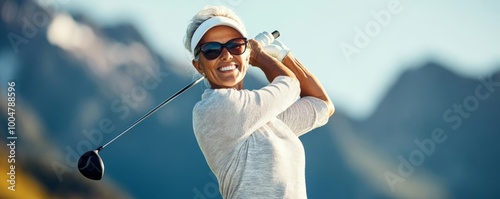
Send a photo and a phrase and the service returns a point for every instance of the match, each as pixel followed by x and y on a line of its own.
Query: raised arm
pixel 309 84
pixel 270 66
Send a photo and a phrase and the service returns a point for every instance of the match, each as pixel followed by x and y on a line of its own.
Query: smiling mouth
pixel 227 68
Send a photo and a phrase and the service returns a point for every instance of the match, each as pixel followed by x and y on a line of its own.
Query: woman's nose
pixel 225 54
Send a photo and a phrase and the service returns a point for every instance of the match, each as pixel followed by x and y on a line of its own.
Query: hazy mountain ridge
pixel 432 97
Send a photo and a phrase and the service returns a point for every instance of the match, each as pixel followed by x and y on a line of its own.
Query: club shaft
pixel 275 34
pixel 153 110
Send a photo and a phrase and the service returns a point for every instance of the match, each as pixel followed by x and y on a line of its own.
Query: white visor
pixel 212 22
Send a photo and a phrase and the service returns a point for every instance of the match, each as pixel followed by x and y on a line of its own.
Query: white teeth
pixel 227 68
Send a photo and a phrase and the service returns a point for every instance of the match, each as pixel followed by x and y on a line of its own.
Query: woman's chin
pixel 230 83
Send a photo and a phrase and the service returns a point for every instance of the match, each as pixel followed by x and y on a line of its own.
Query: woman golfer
pixel 250 137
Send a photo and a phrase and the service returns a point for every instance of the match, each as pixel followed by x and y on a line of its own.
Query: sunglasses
pixel 212 50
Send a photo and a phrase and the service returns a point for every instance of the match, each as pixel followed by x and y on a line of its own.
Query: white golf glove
pixel 264 38
pixel 272 46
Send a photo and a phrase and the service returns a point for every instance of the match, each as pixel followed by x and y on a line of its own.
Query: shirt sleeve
pixel 305 114
pixel 235 114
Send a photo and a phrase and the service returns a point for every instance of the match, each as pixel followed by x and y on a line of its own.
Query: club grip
pixel 276 34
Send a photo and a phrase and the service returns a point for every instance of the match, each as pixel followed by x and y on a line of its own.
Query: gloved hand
pixel 277 49
pixel 272 46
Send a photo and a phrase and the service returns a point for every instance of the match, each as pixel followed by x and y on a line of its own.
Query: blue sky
pixel 462 34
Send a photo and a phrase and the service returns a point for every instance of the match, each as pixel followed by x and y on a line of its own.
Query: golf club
pixel 90 163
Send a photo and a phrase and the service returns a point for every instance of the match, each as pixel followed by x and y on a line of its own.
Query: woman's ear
pixel 196 65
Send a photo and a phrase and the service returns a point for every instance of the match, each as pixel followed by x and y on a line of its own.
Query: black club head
pixel 91 165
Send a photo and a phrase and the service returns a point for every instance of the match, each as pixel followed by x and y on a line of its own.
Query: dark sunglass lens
pixel 236 46
pixel 211 50
pixel 212 54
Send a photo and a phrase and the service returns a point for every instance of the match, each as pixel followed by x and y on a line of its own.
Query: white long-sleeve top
pixel 250 138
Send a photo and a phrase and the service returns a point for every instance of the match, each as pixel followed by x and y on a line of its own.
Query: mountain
pixel 79 85
pixel 446 124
